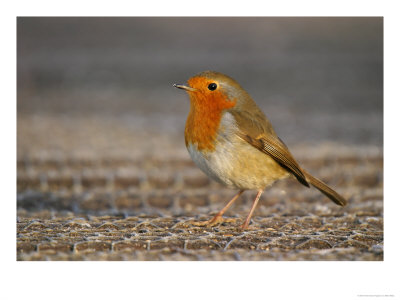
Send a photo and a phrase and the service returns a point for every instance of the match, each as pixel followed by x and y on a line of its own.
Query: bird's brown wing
pixel 258 132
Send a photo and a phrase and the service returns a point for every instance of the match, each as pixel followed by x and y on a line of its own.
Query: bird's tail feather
pixel 326 190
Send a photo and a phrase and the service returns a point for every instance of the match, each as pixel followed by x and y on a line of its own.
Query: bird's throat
pixel 204 120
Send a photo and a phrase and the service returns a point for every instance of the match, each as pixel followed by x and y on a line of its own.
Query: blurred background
pixel 100 127
pixel 317 79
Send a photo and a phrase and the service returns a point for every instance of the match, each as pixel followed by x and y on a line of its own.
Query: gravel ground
pixel 112 205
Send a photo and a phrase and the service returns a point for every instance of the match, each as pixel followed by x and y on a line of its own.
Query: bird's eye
pixel 212 86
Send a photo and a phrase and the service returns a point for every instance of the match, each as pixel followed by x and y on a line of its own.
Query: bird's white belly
pixel 236 163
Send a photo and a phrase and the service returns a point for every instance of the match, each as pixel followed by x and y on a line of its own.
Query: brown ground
pixel 102 205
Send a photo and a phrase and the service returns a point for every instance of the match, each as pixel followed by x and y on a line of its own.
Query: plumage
pixel 234 162
pixel 232 141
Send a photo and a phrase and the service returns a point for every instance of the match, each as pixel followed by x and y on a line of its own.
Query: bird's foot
pixel 244 226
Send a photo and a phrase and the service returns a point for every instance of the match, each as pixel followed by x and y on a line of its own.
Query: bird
pixel 232 141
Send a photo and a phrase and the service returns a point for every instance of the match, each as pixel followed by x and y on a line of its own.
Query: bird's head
pixel 214 90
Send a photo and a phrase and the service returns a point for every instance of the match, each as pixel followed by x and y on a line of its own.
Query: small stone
pixel 24 247
pixel 314 244
pixel 35 225
pixel 109 225
pixel 77 223
pixel 93 246
pixel 129 245
pixel 54 247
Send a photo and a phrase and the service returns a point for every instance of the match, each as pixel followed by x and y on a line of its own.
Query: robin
pixel 231 140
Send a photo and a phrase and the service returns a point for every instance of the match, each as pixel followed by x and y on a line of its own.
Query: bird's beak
pixel 184 87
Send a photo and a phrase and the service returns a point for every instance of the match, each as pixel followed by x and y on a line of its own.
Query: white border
pixel 194 280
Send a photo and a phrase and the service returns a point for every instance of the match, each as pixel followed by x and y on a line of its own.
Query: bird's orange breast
pixel 204 118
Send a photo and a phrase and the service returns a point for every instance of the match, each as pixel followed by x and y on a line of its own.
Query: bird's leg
pixel 246 223
pixel 218 217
